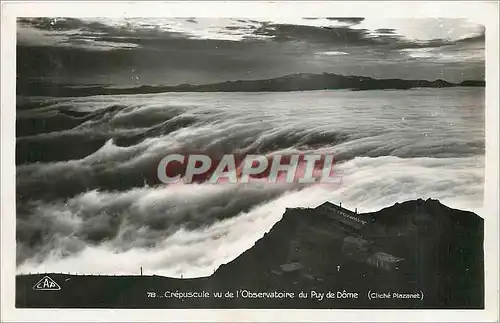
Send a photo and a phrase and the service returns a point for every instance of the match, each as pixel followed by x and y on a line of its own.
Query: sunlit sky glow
pixel 128 51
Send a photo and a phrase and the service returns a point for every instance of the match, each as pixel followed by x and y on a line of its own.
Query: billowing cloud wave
pixel 91 207
pixel 135 227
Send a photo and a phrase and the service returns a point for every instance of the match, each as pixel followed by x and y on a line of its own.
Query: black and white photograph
pixel 307 162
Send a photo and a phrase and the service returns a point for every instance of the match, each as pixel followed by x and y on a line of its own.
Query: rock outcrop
pixel 416 254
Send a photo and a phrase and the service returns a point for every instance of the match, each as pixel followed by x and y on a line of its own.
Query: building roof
pixel 386 257
pixel 342 215
pixel 291 266
pixel 356 240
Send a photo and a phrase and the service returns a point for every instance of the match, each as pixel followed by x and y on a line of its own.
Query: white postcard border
pixel 486 12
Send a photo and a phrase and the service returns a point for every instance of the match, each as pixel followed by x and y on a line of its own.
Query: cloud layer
pixel 201 50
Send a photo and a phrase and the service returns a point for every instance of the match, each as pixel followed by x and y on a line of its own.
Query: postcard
pixel 250 161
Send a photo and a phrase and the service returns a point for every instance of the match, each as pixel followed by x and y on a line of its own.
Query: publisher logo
pixel 46 283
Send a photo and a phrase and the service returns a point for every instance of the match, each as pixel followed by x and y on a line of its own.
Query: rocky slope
pixel 417 254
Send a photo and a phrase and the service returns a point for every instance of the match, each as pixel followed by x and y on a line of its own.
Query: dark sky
pixel 202 50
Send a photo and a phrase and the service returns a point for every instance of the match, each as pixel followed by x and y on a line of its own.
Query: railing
pixel 80 274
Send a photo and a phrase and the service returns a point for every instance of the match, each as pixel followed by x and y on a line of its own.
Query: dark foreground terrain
pixel 417 254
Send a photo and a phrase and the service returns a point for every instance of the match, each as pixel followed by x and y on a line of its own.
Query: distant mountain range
pixel 415 254
pixel 293 82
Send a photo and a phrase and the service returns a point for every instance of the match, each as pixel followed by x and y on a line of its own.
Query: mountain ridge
pixel 287 83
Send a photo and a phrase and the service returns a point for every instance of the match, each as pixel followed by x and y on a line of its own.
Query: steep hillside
pixel 417 254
